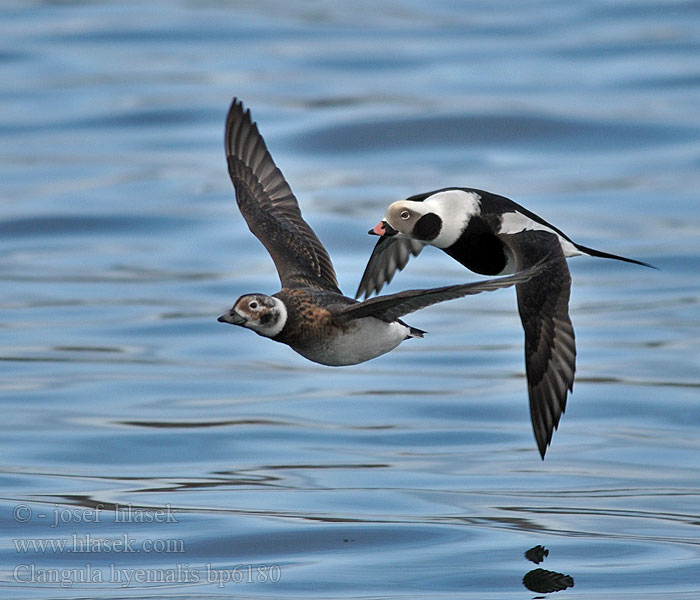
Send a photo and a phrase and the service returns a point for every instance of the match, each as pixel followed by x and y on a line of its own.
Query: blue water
pixel 148 451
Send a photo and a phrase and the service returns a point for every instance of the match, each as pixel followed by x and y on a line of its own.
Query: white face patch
pixel 515 222
pixel 267 316
pixel 455 208
pixel 403 215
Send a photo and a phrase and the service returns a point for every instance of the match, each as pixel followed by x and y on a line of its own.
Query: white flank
pixel 515 222
pixel 455 208
pixel 365 339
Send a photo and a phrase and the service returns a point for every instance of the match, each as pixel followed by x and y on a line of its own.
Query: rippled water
pixel 147 451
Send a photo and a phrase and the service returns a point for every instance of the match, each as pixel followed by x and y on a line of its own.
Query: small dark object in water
pixel 536 554
pixel 544 582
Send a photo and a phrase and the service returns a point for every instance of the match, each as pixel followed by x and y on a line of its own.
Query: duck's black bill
pixel 231 318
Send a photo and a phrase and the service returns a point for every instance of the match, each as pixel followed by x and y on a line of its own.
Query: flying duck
pixel 492 235
pixel 309 313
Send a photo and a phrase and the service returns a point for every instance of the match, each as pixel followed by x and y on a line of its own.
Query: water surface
pixel 150 452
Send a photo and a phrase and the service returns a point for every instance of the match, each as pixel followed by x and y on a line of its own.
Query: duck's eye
pixel 405 215
pixel 253 304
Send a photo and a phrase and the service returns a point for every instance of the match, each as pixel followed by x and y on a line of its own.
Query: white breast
pixel 364 340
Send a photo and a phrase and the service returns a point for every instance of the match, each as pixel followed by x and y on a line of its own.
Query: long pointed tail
pixel 600 254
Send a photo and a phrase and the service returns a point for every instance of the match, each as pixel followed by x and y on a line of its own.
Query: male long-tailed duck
pixel 309 313
pixel 492 235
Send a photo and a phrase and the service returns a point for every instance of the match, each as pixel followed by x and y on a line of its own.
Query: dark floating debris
pixel 536 554
pixel 544 582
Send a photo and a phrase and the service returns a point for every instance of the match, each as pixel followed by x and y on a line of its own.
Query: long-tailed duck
pixel 309 313
pixel 492 235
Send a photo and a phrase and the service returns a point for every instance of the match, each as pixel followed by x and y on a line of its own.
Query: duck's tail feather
pixel 415 332
pixel 598 253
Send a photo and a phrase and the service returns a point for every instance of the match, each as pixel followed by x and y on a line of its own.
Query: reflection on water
pixel 543 581
pixel 183 459
pixel 537 554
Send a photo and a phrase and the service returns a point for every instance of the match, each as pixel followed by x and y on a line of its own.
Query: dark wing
pixel 391 254
pixel 270 208
pixel 550 348
pixel 392 306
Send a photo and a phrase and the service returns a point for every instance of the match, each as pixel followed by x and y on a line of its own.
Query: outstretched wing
pixel 269 207
pixel 550 347
pixel 390 307
pixel 390 254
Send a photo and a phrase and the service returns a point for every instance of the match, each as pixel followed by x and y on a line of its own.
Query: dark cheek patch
pixel 269 317
pixel 427 227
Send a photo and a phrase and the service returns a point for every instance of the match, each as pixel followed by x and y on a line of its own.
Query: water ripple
pixel 512 131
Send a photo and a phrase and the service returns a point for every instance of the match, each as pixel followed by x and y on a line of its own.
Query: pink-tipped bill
pixel 383 229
